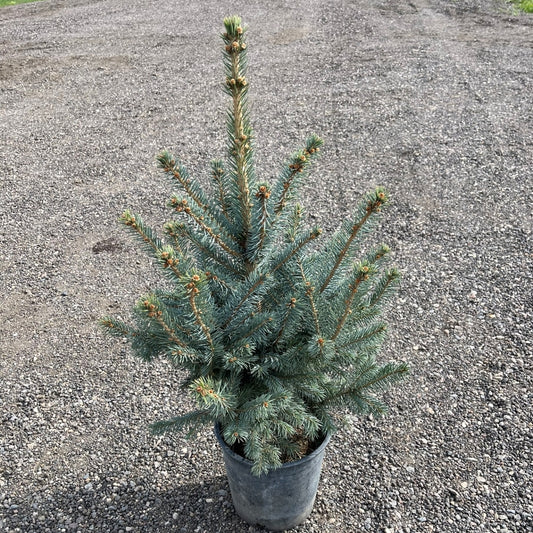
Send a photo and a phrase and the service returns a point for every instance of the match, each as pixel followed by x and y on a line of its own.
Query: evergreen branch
pixel 247 317
pixel 261 323
pixel 271 299
pixel 263 194
pixel 193 292
pixel 152 308
pixel 360 336
pixel 117 328
pixel 386 285
pixel 327 422
pixel 182 236
pixel 309 293
pixel 169 260
pixel 291 318
pixel 362 273
pixel 374 203
pixel 164 254
pixel 259 306
pixel 239 358
pixel 380 379
pixel 214 395
pixel 294 248
pixel 378 255
pixel 206 250
pixel 181 206
pixel 368 404
pixel 386 376
pixel 217 281
pixel 178 172
pixel 147 236
pixel 294 223
pixel 219 177
pixel 249 292
pixel 234 431
pixel 322 349
pixel 190 420
pixel 306 387
pixel 183 355
pixel 289 307
pixel 240 152
pixel 267 457
pixel 260 221
pixel 347 309
pixel 175 231
pixel 298 164
pixel 294 169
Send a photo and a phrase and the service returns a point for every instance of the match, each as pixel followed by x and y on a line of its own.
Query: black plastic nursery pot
pixel 280 499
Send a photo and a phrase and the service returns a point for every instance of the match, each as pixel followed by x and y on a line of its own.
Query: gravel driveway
pixel 431 98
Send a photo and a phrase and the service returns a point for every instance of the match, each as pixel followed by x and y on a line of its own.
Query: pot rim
pixel 235 456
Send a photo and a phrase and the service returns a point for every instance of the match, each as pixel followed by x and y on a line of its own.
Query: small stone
pixel 454 494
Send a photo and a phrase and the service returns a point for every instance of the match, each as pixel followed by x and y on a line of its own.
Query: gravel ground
pixel 431 98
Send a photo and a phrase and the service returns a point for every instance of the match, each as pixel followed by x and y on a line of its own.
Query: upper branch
pixel 374 203
pixel 238 127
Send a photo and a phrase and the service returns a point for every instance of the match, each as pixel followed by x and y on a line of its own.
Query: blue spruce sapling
pixel 275 331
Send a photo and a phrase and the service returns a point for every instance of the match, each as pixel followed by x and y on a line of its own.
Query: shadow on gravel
pixel 136 506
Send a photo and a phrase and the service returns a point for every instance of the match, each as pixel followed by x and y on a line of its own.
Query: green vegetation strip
pixel 524 5
pixel 4 3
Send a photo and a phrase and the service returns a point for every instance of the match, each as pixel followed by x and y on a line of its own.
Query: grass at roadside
pixel 14 2
pixel 524 5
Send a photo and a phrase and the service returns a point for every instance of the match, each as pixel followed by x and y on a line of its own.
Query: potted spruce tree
pixel 277 331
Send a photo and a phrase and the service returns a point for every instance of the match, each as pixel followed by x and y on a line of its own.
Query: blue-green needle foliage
pixel 276 331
